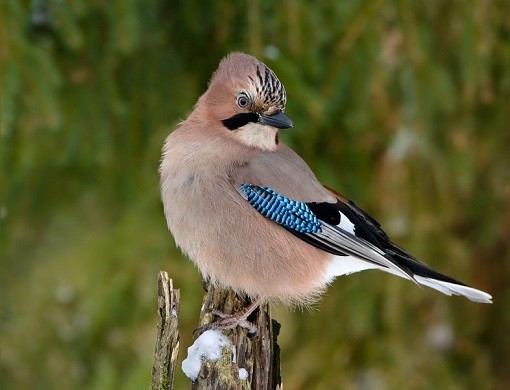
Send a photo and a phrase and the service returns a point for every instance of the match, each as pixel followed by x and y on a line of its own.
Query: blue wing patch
pixel 289 213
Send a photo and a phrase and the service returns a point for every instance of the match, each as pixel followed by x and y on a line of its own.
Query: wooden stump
pixel 251 361
pixel 258 353
pixel 167 341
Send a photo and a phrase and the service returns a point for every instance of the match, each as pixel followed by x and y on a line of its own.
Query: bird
pixel 251 214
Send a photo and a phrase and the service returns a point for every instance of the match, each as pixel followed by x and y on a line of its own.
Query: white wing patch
pixel 346 224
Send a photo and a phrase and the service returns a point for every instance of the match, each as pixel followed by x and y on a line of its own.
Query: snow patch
pixel 207 347
pixel 243 374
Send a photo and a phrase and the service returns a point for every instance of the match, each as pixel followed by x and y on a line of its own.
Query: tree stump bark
pixel 167 342
pixel 258 353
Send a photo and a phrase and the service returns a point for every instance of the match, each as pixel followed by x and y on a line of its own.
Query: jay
pixel 252 215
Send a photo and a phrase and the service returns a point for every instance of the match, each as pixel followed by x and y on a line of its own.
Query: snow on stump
pixel 247 361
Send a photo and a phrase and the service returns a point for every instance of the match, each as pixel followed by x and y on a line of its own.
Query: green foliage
pixel 401 105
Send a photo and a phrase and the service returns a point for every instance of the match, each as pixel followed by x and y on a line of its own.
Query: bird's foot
pixel 228 321
pixel 231 321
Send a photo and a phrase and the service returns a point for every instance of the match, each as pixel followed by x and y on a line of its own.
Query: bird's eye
pixel 242 101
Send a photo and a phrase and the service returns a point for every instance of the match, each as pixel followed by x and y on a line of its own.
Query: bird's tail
pixel 433 279
pixel 449 288
pixel 419 272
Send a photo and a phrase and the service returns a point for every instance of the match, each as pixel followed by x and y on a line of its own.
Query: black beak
pixel 278 120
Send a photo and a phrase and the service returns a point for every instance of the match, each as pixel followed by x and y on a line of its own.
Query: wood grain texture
pixel 167 342
pixel 258 353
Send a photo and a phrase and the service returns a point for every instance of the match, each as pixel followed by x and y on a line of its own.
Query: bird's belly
pixel 238 248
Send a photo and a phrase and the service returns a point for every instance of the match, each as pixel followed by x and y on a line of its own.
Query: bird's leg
pixel 205 284
pixel 230 321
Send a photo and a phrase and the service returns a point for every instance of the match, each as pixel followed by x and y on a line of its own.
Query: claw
pixel 231 321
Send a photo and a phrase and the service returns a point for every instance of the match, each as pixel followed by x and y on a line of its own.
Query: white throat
pixel 257 135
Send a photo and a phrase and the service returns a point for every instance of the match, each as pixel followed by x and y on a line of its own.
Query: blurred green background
pixel 404 106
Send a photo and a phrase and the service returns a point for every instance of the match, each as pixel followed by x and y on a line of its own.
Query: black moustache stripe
pixel 239 120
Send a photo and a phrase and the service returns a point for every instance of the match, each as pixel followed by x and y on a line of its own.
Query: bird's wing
pixel 344 229
pixel 322 225
pixel 281 186
pixel 284 180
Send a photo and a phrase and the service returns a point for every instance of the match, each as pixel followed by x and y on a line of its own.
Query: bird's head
pixel 247 98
